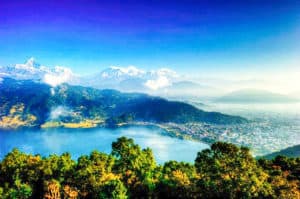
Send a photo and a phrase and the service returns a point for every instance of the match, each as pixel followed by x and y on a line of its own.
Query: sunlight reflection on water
pixel 79 142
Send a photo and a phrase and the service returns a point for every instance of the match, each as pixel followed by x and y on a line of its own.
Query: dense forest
pixel 223 171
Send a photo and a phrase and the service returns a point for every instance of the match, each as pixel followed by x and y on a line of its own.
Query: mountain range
pixel 256 96
pixel 163 81
pixel 28 103
pixel 31 70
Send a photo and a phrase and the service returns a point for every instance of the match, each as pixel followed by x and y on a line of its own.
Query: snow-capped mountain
pixel 34 71
pixel 128 78
pixel 163 81
pixel 121 73
pixel 116 77
pixel 133 79
pixel 28 70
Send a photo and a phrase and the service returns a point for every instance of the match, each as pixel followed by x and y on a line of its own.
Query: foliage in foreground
pixel 223 171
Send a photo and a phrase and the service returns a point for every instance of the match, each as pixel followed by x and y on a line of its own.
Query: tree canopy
pixel 223 171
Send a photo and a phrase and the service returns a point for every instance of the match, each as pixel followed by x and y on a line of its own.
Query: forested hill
pixel 24 103
pixel 293 151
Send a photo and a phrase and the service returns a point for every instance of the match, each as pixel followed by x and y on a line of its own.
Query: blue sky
pixel 187 36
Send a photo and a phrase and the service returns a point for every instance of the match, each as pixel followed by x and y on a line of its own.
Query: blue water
pixel 79 142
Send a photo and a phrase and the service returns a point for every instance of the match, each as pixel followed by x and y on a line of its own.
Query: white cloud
pixel 164 72
pixel 161 78
pixel 158 83
pixel 52 91
pixel 58 76
pixel 104 75
pixel 59 111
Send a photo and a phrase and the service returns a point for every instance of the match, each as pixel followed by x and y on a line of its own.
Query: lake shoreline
pixel 84 141
pixel 174 133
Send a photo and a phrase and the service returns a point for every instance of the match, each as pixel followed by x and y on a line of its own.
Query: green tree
pixel 177 180
pixel 113 189
pixel 136 166
pixel 92 172
pixel 12 167
pixel 19 191
pixel 283 175
pixel 57 167
pixel 223 171
pixel 228 171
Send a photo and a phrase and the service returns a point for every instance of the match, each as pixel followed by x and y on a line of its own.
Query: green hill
pixel 31 104
pixel 293 151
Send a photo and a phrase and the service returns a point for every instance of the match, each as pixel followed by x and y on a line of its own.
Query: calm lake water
pixel 79 142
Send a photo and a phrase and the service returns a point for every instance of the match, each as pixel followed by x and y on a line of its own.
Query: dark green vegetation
pixel 30 104
pixel 223 171
pixel 293 151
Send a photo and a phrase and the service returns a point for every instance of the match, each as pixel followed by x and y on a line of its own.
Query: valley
pixel 27 104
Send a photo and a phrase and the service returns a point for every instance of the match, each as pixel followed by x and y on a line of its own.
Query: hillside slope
pixel 24 103
pixel 255 96
pixel 292 152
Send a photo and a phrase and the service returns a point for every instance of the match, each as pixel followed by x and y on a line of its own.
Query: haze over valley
pixel 149 99
pixel 263 120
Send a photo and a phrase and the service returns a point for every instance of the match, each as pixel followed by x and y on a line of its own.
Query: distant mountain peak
pixel 31 70
pixel 121 73
pixel 130 70
pixel 30 64
pixel 159 81
pixel 255 96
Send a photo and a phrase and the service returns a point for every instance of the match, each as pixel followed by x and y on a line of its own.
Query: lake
pixel 83 141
